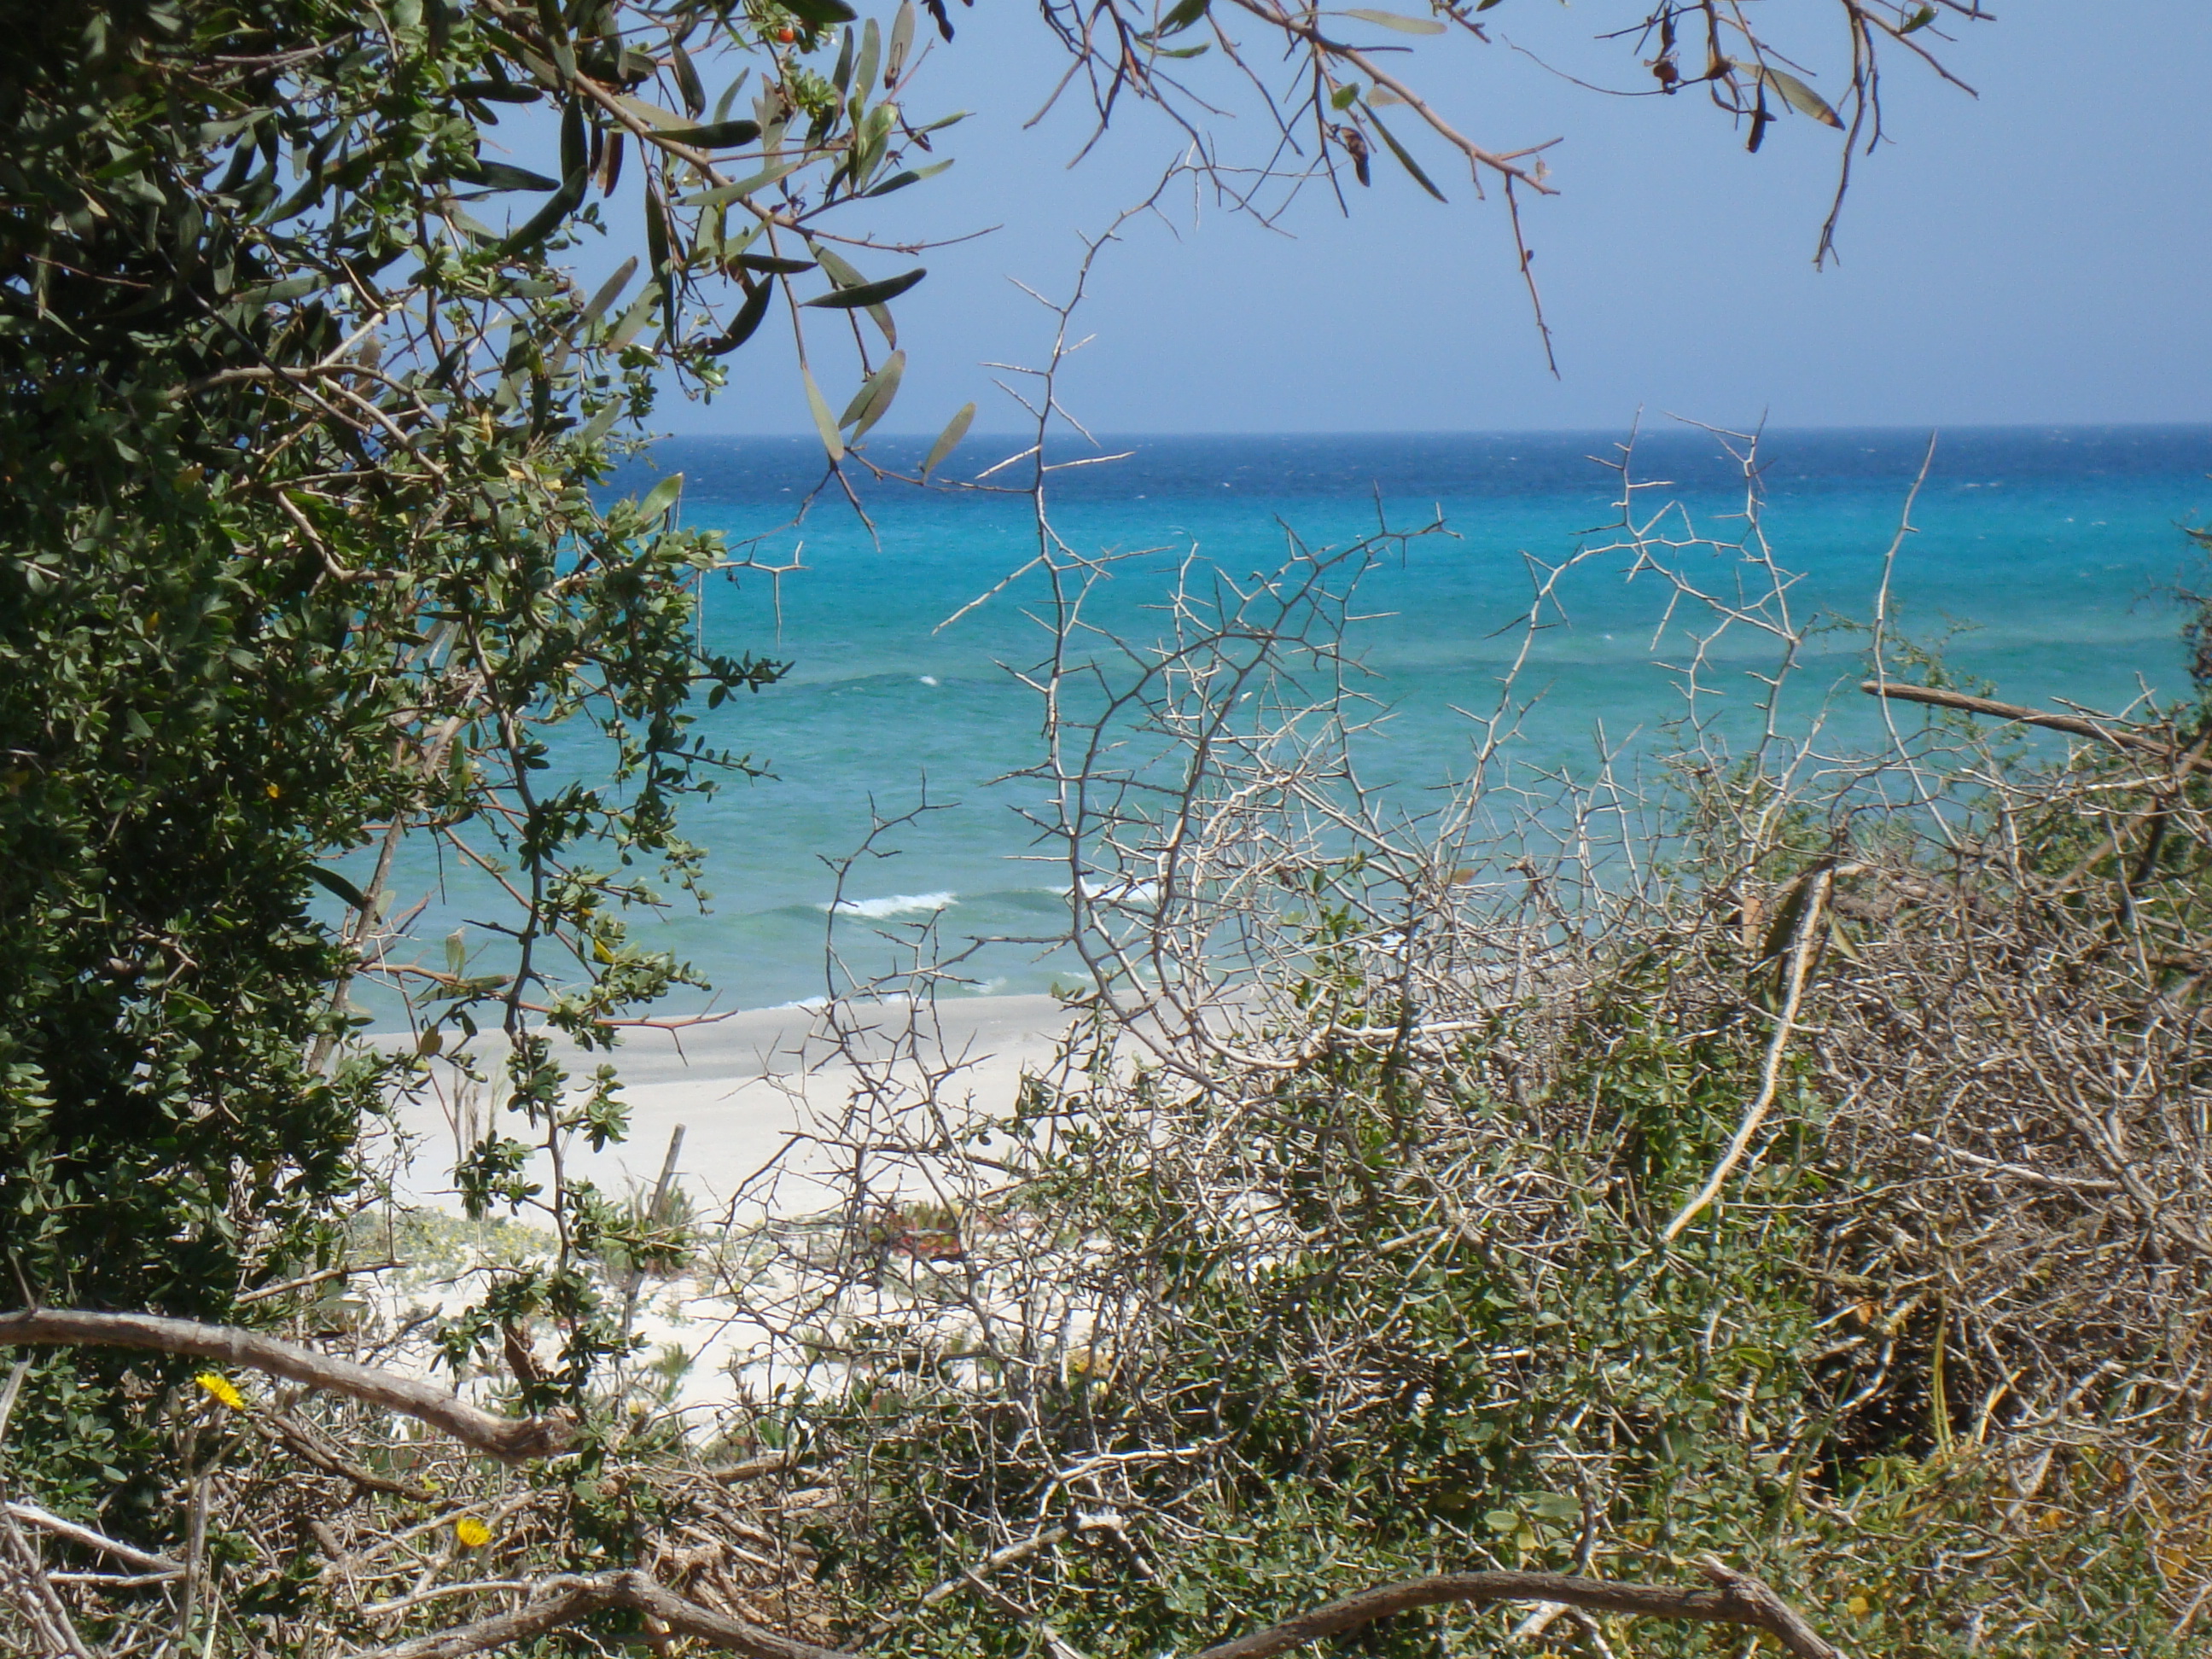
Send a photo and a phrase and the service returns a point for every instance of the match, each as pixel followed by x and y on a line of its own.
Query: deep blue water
pixel 2061 548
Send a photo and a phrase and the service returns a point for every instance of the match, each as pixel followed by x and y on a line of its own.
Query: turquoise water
pixel 2060 546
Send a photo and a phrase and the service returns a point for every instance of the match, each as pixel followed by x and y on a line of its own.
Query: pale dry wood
pixel 512 1440
pixel 1739 1599
pixel 47 1521
pixel 1770 1075
pixel 2120 737
pixel 558 1602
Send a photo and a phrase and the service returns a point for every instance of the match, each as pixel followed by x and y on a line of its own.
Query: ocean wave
pixel 1115 890
pixel 898 904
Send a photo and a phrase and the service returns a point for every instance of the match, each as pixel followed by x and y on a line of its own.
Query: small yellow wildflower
pixel 1859 1607
pixel 274 792
pixel 472 1532
pixel 222 1388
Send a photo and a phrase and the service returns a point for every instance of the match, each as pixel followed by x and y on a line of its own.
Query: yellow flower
pixel 1859 1607
pixel 274 792
pixel 222 1388
pixel 472 1532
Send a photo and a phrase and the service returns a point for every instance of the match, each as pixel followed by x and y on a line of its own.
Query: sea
pixel 2047 562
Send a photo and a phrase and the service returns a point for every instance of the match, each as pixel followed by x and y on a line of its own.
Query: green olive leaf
pixel 868 294
pixel 661 497
pixel 726 193
pixel 822 424
pixel 948 439
pixel 873 400
pixel 1799 96
pixel 1391 20
pixel 335 882
pixel 1405 160
pixel 1186 13
pixel 715 134
pixel 610 290
pixel 687 80
pixel 747 323
pixel 902 44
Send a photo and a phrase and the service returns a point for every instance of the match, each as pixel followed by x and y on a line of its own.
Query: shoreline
pixel 746 1089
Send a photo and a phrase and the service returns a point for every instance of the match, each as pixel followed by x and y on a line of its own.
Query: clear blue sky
pixel 2041 254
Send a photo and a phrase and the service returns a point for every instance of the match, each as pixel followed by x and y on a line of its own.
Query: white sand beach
pixel 743 1086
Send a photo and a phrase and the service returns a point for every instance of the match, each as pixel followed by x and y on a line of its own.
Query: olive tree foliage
pixel 304 546
pixel 302 551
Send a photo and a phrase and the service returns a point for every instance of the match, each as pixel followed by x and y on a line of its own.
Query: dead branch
pixel 2119 738
pixel 1800 953
pixel 1740 1600
pixel 47 1521
pixel 512 1440
pixel 558 1602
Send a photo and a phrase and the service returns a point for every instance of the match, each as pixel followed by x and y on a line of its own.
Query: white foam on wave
pixel 1113 889
pixel 898 904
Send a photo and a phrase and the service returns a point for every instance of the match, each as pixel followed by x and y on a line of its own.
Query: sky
pixel 2036 254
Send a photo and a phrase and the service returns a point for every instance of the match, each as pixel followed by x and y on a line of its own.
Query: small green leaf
pixel 497 175
pixel 292 287
pixel 717 135
pixel 873 400
pixel 1920 20
pixel 635 319
pixel 652 115
pixel 841 270
pixel 656 231
pixel 821 14
pixel 575 142
pixel 823 423
pixel 902 44
pixel 496 92
pixel 1186 13
pixel 724 194
pixel 1405 160
pixel 661 497
pixel 906 176
pixel 1391 20
pixel 333 881
pixel 871 59
pixel 868 294
pixel 610 291
pixel 747 323
pixel 687 80
pixel 948 439
pixel 774 267
pixel 1799 96
pixel 542 223
pixel 1344 97
pixel 730 95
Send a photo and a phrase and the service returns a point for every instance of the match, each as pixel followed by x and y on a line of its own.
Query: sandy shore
pixel 744 1088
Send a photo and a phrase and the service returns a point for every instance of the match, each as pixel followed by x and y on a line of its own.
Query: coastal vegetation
pixel 1770 1200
